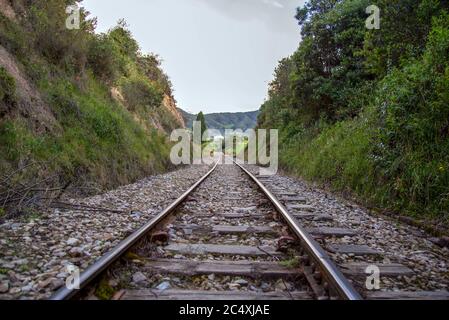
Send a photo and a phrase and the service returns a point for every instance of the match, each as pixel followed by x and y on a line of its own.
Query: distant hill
pixel 223 121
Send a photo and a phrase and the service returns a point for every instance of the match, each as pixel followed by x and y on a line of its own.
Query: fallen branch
pixel 25 188
pixel 80 207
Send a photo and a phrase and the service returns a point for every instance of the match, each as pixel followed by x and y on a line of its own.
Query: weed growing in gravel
pixel 104 290
pixel 291 263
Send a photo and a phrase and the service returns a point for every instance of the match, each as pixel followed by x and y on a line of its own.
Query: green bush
pixel 140 93
pixel 7 87
pixel 12 38
pixel 123 40
pixel 46 22
pixel 370 118
pixel 414 120
pixel 104 59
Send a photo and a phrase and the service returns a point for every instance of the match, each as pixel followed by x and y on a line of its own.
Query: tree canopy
pixel 368 110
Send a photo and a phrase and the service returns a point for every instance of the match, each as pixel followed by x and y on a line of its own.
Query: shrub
pixel 123 40
pixel 7 87
pixel 67 48
pixel 140 93
pixel 104 59
pixel 11 36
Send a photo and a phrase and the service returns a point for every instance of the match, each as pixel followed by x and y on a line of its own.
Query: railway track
pixel 232 236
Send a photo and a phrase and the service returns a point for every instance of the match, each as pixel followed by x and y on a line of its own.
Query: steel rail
pixel 330 271
pixel 103 263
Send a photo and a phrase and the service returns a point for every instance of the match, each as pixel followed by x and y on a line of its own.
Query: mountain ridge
pixel 224 120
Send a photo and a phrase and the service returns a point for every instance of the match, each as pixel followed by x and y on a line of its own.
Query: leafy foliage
pixel 140 93
pixel 7 87
pixel 99 137
pixel 367 110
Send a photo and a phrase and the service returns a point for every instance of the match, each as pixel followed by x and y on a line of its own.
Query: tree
pixel 200 117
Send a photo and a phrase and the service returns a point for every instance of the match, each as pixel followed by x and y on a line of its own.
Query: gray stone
pixel 241 282
pixel 20 262
pixel 164 286
pixel 56 284
pixel 4 286
pixel 76 252
pixel 72 242
pixel 27 288
pixel 139 277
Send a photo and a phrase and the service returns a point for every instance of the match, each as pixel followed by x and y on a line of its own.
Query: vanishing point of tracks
pixel 228 237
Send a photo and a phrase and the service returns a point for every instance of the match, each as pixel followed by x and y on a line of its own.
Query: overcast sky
pixel 219 54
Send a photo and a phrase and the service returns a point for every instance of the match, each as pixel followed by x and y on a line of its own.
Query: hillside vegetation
pixel 77 108
pixel 223 121
pixel 367 111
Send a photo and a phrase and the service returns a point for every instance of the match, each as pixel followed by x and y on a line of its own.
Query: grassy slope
pixel 96 139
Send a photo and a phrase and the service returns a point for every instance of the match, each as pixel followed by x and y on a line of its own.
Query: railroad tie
pixel 388 269
pixel 301 207
pixel 252 269
pixel 213 295
pixel 312 216
pixel 219 249
pixel 408 295
pixel 358 250
pixel 331 232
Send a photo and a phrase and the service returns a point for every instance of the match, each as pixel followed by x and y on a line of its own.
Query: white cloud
pixel 274 4
pixel 277 15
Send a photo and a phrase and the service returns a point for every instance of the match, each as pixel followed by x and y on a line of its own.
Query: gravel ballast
pixel 34 254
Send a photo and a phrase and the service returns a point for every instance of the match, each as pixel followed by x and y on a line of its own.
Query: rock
pixel 164 286
pixel 442 242
pixel 20 262
pixel 241 282
pixel 72 242
pixel 15 290
pixel 43 284
pixel 62 275
pixel 16 226
pixel 27 288
pixel 4 286
pixel 113 283
pixel 76 252
pixel 139 277
pixel 107 237
pixel 282 285
pixel 60 254
pixel 234 286
pixel 56 284
pixel 136 214
pixel 188 232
